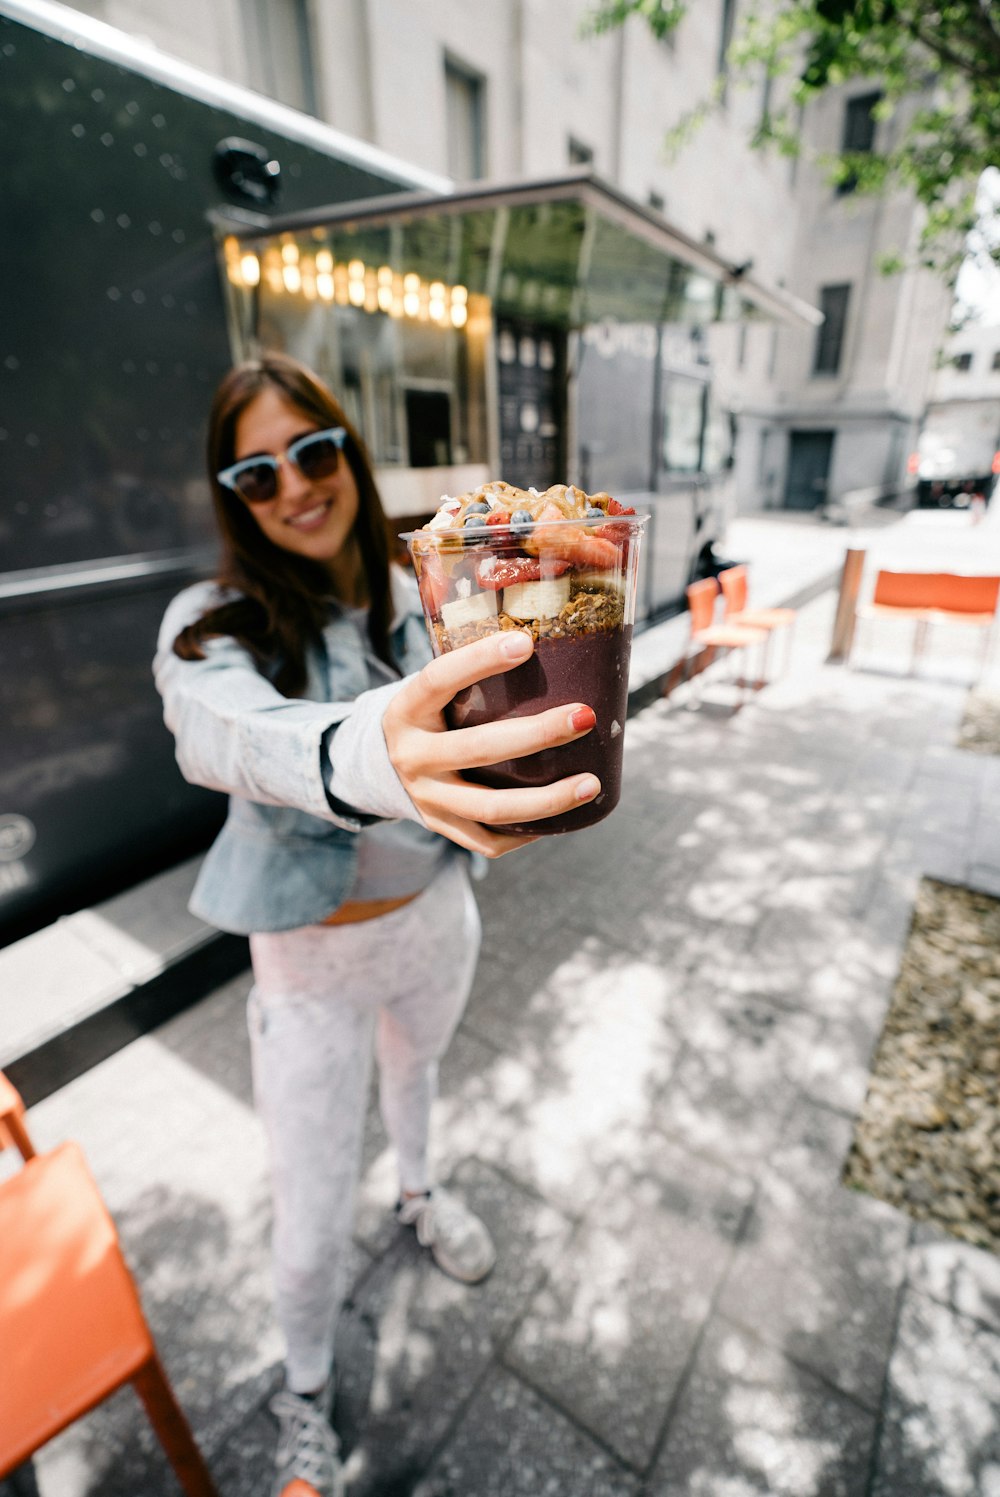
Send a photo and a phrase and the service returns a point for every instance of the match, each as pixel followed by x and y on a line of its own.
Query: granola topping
pixel 585 613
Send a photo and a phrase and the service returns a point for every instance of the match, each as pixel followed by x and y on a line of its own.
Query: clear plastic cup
pixel 572 585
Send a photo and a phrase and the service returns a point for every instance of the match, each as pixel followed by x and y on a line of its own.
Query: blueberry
pixel 593 513
pixel 478 507
pixel 521 519
pixel 478 530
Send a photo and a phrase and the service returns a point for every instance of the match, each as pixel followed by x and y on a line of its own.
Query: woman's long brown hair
pixel 284 599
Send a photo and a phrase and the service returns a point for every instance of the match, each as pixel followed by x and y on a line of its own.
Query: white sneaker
pixel 458 1241
pixel 308 1449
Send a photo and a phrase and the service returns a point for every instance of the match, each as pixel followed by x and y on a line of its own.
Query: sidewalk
pixel 649 1100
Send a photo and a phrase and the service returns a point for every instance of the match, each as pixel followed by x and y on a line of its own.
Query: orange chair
pixel 71 1325
pixel 706 634
pixel 734 582
pixel 935 597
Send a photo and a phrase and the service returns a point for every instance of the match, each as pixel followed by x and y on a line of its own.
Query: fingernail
pixel 588 788
pixel 516 645
pixel 582 720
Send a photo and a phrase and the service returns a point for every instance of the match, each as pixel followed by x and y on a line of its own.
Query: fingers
pixel 428 758
pixel 512 738
pixel 476 837
pixel 430 691
pixel 455 798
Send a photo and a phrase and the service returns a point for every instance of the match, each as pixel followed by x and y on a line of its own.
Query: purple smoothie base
pixel 591 668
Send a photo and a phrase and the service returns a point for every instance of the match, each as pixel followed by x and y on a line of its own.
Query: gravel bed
pixel 928 1136
pixel 980 729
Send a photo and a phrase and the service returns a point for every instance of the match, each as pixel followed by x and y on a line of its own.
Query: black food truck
pixel 158 223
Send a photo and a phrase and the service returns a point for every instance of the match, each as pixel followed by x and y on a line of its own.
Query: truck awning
pixel 568 250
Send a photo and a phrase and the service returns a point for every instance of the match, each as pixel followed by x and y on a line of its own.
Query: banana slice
pixel 472 610
pixel 536 600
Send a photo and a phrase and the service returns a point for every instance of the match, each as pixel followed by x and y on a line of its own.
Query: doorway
pixel 428 428
pixel 531 381
pixel 808 478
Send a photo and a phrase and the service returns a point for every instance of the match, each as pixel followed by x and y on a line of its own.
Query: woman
pixel 300 683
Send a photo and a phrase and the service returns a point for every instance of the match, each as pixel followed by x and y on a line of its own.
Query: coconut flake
pixel 446 512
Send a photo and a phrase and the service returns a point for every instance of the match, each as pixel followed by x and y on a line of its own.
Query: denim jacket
pixel 299 792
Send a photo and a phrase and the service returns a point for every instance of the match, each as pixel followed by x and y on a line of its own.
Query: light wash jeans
pixel 321 993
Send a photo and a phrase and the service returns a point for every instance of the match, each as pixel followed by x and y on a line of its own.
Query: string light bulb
pixel 351 283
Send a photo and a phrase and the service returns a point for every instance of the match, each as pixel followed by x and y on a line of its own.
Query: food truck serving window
pixel 407 305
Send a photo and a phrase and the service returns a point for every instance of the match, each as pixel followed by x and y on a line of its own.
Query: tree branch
pixel 942 49
pixel 987 22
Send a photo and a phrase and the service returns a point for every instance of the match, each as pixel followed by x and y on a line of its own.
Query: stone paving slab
pixel 941 1435
pixel 743 1063
pixel 610 1335
pixel 985 877
pixel 556 1120
pixel 752 1423
pixel 961 1277
pixel 243 1466
pixel 821 1284
pixel 512 1443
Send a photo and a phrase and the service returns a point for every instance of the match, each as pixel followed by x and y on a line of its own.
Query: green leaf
pixel 943 59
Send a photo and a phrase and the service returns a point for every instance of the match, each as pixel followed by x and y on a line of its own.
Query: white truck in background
pixel 958 453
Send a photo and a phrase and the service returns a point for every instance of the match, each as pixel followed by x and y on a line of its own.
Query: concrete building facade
pixel 515 89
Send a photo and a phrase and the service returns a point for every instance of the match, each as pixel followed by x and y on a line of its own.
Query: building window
pixel 996 360
pixel 657 202
pixel 963 362
pixel 465 102
pixel 830 336
pixel 279 51
pixel 578 153
pixel 858 136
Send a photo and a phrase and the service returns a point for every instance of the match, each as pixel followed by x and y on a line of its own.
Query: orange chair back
pixel 945 590
pixel 733 581
pixel 701 603
pixel 71 1323
pixel 73 1329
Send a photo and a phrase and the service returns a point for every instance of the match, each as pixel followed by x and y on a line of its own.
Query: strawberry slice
pixel 498 517
pixel 618 534
pixel 590 553
pixel 433 583
pixel 496 572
